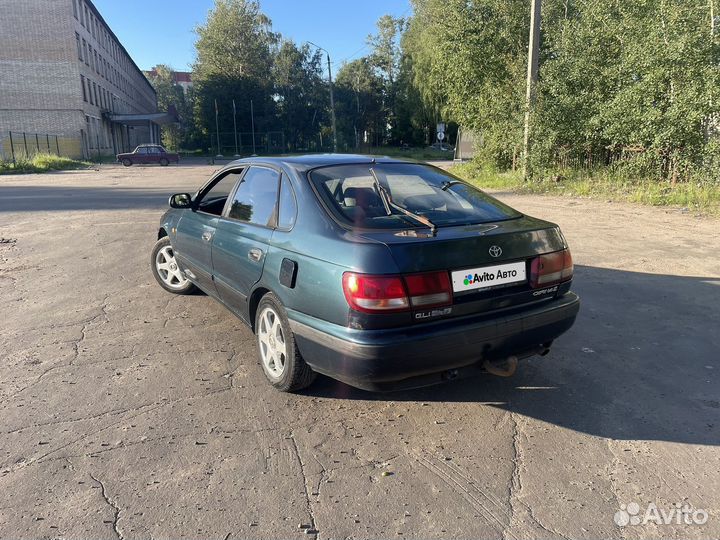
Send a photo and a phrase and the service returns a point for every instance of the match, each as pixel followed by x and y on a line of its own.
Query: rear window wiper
pixel 388 203
pixel 447 185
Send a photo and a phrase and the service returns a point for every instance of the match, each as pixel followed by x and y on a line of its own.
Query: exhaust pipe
pixel 502 368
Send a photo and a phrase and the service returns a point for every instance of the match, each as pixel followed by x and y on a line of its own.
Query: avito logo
pixel 485 276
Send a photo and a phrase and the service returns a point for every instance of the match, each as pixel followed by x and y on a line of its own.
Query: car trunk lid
pixel 489 264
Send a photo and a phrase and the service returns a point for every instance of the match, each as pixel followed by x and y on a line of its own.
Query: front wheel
pixel 279 357
pixel 164 162
pixel 166 270
pixel 126 162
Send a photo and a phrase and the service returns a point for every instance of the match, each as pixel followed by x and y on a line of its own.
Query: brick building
pixel 64 72
pixel 181 78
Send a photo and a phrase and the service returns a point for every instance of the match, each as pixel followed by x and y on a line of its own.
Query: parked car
pixel 148 153
pixel 382 273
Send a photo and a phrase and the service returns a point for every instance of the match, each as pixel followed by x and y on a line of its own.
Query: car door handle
pixel 207 236
pixel 255 254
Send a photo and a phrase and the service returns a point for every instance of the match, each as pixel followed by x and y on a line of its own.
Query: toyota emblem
pixel 495 251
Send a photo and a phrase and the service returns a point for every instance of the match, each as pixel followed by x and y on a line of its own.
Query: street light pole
pixel 332 96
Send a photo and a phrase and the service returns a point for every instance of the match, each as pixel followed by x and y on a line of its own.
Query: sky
pixel 161 31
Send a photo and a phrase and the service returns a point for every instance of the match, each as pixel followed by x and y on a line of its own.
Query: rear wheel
pixel 164 162
pixel 279 357
pixel 126 162
pixel 166 270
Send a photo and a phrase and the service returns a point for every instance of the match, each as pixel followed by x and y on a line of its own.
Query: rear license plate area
pixel 486 277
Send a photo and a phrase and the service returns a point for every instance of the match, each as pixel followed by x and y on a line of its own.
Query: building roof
pixel 178 76
pixel 183 76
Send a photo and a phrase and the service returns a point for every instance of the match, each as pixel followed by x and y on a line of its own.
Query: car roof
pixel 312 161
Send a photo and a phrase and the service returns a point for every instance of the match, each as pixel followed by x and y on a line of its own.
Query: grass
pixel 40 163
pixel 700 197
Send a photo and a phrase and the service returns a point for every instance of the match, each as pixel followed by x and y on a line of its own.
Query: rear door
pixel 242 236
pixel 154 154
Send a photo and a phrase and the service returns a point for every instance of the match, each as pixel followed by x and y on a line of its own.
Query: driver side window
pixel 212 201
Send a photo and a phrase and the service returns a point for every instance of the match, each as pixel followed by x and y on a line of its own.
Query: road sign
pixel 441 136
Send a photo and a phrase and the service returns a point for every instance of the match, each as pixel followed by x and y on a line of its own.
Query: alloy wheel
pixel 168 270
pixel 273 347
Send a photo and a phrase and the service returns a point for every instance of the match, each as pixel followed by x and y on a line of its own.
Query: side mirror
pixel 180 200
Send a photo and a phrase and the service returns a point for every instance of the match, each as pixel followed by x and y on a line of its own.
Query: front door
pixel 197 227
pixel 242 235
pixel 141 155
pixel 193 239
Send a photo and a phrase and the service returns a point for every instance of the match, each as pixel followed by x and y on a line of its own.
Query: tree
pixel 359 104
pixel 171 96
pixel 234 55
pixel 385 59
pixel 300 94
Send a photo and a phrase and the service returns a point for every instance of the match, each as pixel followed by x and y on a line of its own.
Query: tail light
pixel 551 268
pixel 384 294
pixel 429 290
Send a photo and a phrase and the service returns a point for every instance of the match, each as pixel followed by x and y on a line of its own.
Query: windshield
pixel 351 193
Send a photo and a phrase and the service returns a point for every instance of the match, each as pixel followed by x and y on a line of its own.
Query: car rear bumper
pixel 429 353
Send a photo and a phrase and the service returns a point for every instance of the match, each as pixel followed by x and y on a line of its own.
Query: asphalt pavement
pixel 127 412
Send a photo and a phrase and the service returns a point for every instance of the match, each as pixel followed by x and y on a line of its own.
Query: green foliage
pixel 41 163
pixel 468 59
pixel 235 42
pixel 235 50
pixel 629 85
pixel 359 104
pixel 171 96
pixel 601 183
pixel 300 94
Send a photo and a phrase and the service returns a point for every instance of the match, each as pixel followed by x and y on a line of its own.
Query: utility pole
pixel 235 128
pixel 217 129
pixel 532 78
pixel 252 120
pixel 357 117
pixel 332 96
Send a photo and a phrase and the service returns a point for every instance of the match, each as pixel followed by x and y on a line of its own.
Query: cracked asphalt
pixel 127 412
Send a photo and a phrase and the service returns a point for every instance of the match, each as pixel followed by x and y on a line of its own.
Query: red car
pixel 148 153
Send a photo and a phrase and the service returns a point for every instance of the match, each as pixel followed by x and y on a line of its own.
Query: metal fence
pixel 243 143
pixel 15 145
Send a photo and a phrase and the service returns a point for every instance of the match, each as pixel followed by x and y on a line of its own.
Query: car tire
pixel 164 162
pixel 278 354
pixel 126 162
pixel 166 270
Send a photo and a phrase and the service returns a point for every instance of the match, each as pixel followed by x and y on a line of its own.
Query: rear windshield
pixel 351 194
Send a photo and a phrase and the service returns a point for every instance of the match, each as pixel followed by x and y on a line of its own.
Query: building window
pixel 87 16
pixel 79 47
pixel 82 83
pixel 96 95
pixel 90 96
pixel 84 51
pixel 75 8
pixel 97 63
